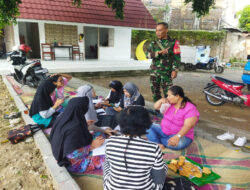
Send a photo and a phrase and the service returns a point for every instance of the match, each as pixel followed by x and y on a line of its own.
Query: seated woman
pixel 132 162
pixel 91 116
pixel 131 96
pixel 88 90
pixel 177 126
pixel 60 80
pixel 42 109
pixel 115 92
pixel 71 140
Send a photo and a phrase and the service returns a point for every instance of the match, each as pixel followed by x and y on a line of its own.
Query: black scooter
pixel 25 72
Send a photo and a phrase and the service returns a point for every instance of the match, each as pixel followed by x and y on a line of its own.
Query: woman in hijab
pixel 60 80
pixel 88 90
pixel 71 140
pixel 42 109
pixel 115 92
pixel 91 116
pixel 131 97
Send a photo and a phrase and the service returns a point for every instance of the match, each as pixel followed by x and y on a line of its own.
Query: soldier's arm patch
pixel 177 49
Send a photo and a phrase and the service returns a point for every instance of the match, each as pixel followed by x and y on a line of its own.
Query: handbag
pixel 17 135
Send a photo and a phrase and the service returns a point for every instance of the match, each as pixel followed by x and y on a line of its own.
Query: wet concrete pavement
pixel 234 117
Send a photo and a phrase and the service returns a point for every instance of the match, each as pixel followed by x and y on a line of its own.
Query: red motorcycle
pixel 222 90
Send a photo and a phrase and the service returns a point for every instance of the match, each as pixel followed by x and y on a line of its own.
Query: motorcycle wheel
pixel 215 90
pixel 219 69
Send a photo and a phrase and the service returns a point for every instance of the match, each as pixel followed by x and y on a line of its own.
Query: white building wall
pixel 122 39
pixel 122 46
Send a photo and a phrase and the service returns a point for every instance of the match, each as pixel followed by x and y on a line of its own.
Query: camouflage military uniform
pixel 163 65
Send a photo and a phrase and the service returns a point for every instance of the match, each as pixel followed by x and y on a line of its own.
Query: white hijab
pixel 86 90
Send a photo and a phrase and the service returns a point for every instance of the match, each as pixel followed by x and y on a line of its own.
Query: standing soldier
pixel 165 53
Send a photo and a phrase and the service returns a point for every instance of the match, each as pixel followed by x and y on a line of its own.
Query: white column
pixel 81 44
pixel 130 38
pixel 41 29
pixel 16 35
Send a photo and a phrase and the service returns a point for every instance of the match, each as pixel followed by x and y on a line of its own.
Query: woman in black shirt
pixel 115 92
pixel 130 97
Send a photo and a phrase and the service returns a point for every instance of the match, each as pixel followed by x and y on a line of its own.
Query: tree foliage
pixel 244 19
pixel 201 7
pixel 116 5
pixel 8 11
pixel 160 14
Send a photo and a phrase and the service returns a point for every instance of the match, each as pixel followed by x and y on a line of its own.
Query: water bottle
pixel 164 107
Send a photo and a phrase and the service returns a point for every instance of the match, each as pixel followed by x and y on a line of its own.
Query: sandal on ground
pixel 12 115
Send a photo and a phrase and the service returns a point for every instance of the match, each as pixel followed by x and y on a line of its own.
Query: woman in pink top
pixel 60 80
pixel 177 126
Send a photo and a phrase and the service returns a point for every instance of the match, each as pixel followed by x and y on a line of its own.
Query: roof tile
pixel 91 12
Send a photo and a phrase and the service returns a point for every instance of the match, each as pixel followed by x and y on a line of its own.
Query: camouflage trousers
pixel 158 81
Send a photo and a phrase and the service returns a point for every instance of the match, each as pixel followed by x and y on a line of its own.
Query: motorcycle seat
pixel 229 81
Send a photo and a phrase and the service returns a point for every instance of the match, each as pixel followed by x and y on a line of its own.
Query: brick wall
pixel 65 34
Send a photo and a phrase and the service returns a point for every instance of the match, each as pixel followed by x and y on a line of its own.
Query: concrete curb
pixel 62 178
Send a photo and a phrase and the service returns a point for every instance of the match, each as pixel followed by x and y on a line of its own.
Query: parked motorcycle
pixel 25 72
pixel 222 90
pixel 246 73
pixel 197 57
pixel 212 64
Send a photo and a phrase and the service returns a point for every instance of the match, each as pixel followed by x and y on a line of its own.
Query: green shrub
pixel 186 37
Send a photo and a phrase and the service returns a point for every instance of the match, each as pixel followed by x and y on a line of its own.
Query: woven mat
pixel 231 165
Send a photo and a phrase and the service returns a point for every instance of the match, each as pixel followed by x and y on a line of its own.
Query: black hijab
pixel 42 100
pixel 115 96
pixel 70 131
